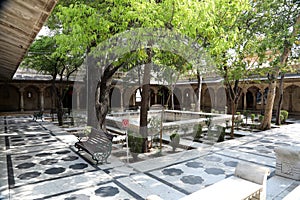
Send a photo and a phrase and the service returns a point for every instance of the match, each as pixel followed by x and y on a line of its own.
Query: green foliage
pixel 221 131
pixel 252 117
pixel 197 131
pixel 135 142
pixel 175 139
pixel 284 115
pixel 261 118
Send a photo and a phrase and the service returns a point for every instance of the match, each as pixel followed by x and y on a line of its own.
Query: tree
pixel 276 24
pixel 42 57
pixel 84 26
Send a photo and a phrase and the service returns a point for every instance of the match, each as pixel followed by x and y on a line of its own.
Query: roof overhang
pixel 20 22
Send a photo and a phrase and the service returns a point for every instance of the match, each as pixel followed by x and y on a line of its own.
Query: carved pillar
pixel 22 99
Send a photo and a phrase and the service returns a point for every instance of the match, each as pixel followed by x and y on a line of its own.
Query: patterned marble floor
pixel 38 161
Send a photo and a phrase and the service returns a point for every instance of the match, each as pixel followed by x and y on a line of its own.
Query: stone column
pixel 42 98
pixel 121 100
pixel 155 96
pixel 262 99
pixel 22 99
pixel 254 100
pixel 77 99
pixel 215 98
pixel 245 99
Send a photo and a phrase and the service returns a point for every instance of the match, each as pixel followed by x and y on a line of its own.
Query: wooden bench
pixel 248 182
pixel 37 115
pixel 98 145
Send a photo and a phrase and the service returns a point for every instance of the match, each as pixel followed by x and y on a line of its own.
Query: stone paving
pixel 38 161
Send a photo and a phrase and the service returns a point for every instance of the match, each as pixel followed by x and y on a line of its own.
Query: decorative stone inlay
pixel 231 163
pixel 48 161
pixel 30 136
pixel 43 154
pixel 191 179
pixel 249 148
pixel 22 157
pixel 270 147
pixel 29 175
pixel 266 141
pixel 213 158
pixel 63 152
pixel 264 151
pixel 78 196
pixel 55 170
pixel 19 144
pixel 172 172
pixel 25 165
pixel 78 166
pixel 214 171
pixel 17 140
pixel 70 158
pixel 48 141
pixel 33 139
pixel 194 164
pixel 282 144
pixel 107 191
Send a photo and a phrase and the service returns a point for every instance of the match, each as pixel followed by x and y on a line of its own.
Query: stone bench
pixel 294 194
pixel 248 182
pixel 288 162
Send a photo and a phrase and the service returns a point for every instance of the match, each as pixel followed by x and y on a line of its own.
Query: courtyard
pixel 39 161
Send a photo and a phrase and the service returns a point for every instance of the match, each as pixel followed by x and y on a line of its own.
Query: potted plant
pixel 135 144
pixel 175 139
pixel 252 117
pixel 221 131
pixel 285 115
pixel 197 131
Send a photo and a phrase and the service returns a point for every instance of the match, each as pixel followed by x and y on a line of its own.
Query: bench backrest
pixel 251 172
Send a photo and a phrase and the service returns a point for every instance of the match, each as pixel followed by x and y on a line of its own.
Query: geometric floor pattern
pixel 38 161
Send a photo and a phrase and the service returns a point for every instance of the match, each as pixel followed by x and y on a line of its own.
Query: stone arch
pixel 177 98
pixel 251 97
pixel 115 98
pixel 291 97
pixel 49 98
pixel 9 98
pixel 221 99
pixel 206 102
pixel 163 95
pixel 31 98
pixel 67 101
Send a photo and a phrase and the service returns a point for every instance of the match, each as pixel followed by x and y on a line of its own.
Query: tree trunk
pixel 272 86
pixel 102 101
pixel 232 119
pixel 279 106
pixel 266 124
pixel 60 112
pixel 145 104
pixel 198 94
